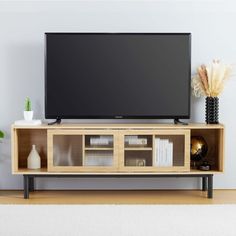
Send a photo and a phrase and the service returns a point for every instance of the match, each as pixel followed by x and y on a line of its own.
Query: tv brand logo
pixel 118 117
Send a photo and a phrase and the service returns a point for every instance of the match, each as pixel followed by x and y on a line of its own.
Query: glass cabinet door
pixel 138 150
pixel 67 150
pixel 99 150
pixel 162 150
pixel 71 150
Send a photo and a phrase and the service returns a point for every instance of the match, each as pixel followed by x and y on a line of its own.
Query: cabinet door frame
pixel 153 133
pixel 89 169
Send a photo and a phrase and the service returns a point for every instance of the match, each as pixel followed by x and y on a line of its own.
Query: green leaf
pixel 1 134
pixel 27 104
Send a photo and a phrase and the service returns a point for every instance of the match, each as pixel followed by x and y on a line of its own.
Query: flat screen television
pixel 117 75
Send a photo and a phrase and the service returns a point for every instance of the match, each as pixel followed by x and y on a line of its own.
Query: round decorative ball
pixel 199 148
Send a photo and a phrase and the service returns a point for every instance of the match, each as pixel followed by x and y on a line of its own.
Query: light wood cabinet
pixel 78 148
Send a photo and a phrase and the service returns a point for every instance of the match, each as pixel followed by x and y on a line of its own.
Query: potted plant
pixel 28 113
pixel 1 134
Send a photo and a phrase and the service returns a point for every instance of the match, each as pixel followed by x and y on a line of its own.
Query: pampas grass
pixel 210 80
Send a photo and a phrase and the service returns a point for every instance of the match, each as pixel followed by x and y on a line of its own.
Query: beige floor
pixel 119 197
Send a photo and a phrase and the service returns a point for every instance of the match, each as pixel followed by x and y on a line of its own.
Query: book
pixel 101 140
pixel 140 141
pixel 134 140
pixel 164 153
pixel 157 146
pixel 171 154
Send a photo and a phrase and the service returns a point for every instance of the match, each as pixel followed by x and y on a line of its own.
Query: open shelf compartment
pixel 214 139
pixel 23 141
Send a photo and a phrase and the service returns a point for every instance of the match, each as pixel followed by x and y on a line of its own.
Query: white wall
pixel 22 27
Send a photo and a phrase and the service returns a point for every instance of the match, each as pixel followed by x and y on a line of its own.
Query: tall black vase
pixel 212 110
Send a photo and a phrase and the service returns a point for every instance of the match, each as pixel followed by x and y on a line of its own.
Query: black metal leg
pixel 207 180
pixel 31 184
pixel 26 186
pixel 204 183
pixel 210 186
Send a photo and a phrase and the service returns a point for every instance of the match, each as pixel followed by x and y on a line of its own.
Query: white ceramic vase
pixel 28 115
pixel 34 160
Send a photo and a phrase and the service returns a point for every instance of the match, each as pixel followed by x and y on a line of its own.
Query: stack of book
pixel 134 140
pixel 164 153
pixel 102 140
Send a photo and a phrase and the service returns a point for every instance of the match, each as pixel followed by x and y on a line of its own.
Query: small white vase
pixel 28 115
pixel 34 160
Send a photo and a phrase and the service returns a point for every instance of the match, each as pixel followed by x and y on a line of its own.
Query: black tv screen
pixel 117 75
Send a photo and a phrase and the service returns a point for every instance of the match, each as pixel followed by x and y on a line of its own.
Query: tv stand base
pixel 177 121
pixel 207 180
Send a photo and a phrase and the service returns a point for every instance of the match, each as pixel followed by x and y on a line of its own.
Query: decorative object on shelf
pixel 33 160
pixel 28 113
pixel 205 166
pixel 209 82
pixel 135 162
pixel 212 110
pixel 199 150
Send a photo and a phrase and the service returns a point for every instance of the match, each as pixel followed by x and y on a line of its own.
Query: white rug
pixel 122 220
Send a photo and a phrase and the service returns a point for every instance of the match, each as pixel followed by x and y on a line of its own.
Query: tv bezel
pixel 118 116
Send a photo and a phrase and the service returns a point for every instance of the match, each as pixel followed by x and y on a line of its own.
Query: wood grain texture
pixel 215 141
pixel 44 137
pixel 44 171
pixel 23 141
pixel 124 126
pixel 119 197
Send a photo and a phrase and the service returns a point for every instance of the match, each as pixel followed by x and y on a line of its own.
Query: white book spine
pixel 157 148
pixel 171 154
pixel 168 156
pixel 161 152
pixel 165 155
pixel 167 152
